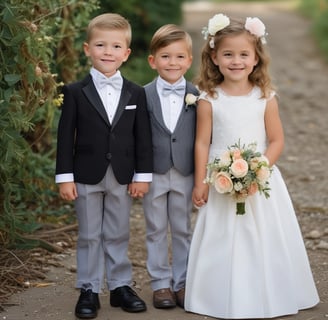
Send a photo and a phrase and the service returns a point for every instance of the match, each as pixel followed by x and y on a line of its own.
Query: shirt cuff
pixel 142 177
pixel 64 177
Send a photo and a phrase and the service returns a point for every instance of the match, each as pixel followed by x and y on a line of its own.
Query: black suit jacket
pixel 87 143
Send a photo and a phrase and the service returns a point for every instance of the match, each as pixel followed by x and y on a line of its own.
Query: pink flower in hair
pixel 256 27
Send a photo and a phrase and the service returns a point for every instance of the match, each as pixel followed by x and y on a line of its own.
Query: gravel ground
pixel 301 77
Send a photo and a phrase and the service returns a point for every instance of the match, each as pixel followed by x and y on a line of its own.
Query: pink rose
pixel 239 168
pixel 263 174
pixel 255 26
pixel 236 155
pixel 223 183
pixel 253 188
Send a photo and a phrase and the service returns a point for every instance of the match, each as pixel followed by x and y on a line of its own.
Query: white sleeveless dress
pixel 253 265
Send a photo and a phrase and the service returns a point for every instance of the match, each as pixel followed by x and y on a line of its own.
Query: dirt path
pixel 301 77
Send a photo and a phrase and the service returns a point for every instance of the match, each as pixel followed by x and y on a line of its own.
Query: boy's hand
pixel 67 190
pixel 138 189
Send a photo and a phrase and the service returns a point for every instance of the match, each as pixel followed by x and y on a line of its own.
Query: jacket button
pixel 174 140
pixel 108 156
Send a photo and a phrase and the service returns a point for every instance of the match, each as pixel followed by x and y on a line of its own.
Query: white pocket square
pixel 131 107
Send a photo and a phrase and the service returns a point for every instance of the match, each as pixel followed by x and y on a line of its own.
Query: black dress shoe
pixel 87 305
pixel 127 299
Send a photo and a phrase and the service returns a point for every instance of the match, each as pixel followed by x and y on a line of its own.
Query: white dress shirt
pixel 109 95
pixel 171 104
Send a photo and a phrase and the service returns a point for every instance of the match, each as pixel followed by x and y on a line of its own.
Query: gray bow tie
pixel 179 90
pixel 116 82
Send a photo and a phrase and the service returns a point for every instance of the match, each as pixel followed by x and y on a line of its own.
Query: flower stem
pixel 240 206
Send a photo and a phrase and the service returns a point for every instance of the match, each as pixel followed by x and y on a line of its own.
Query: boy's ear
pixel 151 61
pixel 127 54
pixel 86 49
pixel 191 58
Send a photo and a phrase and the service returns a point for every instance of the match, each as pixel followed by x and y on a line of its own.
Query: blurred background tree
pixel 317 11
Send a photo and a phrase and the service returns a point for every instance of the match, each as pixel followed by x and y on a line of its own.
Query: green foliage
pixel 33 39
pixel 252 0
pixel 41 48
pixel 317 10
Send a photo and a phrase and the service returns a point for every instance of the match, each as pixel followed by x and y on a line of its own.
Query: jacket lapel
pixel 124 99
pixel 91 93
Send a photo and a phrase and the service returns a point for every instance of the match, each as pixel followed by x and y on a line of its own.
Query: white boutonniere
pixel 190 100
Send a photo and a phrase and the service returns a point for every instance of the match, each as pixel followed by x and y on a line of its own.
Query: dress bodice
pixel 237 118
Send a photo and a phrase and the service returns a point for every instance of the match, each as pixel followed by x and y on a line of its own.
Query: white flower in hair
pixel 256 27
pixel 215 24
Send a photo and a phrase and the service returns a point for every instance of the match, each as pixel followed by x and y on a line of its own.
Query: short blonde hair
pixel 167 34
pixel 110 21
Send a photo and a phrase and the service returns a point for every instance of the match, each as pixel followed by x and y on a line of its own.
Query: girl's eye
pixel 117 46
pixel 99 45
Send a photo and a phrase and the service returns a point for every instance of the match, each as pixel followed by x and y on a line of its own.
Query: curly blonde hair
pixel 210 76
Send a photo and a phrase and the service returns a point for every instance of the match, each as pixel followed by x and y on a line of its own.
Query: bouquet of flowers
pixel 241 171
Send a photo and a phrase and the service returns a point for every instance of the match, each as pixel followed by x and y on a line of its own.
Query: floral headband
pixel 254 25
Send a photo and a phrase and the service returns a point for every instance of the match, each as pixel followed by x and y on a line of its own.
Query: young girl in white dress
pixel 252 265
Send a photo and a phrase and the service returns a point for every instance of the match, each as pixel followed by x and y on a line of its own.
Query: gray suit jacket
pixel 172 149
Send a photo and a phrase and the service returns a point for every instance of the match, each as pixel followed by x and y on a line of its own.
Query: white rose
pixel 225 159
pixel 217 23
pixel 238 186
pixel 190 99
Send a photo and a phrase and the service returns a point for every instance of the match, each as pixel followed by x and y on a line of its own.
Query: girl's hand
pixel 200 195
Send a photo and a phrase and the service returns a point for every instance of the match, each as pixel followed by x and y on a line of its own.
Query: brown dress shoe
pixel 180 296
pixel 163 299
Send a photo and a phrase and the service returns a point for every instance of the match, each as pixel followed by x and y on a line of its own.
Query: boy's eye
pixel 99 44
pixel 117 46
